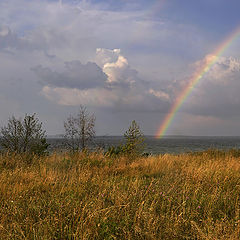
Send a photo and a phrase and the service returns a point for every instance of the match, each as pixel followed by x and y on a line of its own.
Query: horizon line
pixel 150 135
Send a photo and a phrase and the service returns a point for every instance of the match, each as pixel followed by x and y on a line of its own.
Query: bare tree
pixel 24 135
pixel 79 129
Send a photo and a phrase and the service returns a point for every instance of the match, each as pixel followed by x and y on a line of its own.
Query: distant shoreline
pixel 169 144
pixel 153 136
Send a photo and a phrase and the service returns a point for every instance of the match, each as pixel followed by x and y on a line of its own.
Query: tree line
pixel 27 135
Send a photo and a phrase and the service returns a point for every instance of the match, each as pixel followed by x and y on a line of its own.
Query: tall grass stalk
pixel 91 196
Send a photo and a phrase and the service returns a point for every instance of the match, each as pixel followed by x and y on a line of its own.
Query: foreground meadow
pixel 91 196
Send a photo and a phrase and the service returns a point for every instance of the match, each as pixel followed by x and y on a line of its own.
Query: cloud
pixel 159 94
pixel 9 40
pixel 76 75
pixel 54 44
pixel 95 97
pixel 120 89
pixel 116 67
pixel 217 93
pixel 106 56
pixel 222 69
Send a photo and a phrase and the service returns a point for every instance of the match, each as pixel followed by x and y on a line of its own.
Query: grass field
pixel 90 196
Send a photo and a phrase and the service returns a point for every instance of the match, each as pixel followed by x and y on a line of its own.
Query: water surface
pixel 173 144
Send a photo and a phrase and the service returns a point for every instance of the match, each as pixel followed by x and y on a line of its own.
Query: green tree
pixel 134 143
pixel 79 129
pixel 24 136
pixel 134 139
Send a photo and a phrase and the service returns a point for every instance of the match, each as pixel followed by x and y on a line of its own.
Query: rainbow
pixel 196 77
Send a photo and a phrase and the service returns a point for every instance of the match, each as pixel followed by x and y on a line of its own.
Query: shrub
pixel 24 136
pixel 133 143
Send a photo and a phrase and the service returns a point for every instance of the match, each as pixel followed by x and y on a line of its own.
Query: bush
pixel 24 136
pixel 133 143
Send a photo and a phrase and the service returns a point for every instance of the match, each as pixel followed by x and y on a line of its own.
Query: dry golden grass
pixel 91 196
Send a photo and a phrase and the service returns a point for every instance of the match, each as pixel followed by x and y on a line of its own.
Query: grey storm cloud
pixel 76 75
pixel 50 43
pixel 11 42
pixel 115 85
pixel 217 93
pixel 8 39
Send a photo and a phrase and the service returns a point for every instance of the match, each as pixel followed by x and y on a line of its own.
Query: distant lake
pixel 173 144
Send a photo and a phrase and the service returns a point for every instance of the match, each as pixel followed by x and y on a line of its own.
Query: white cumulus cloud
pixel 120 89
pixel 217 92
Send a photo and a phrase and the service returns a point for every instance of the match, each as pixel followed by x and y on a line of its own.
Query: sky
pixel 124 60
